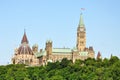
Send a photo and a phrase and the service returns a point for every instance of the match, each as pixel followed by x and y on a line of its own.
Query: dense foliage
pixel 89 69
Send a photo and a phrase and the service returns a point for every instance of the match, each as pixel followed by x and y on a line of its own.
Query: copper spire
pixel 81 22
pixel 24 39
pixel 99 55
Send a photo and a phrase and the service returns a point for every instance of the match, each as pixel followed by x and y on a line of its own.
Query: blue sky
pixel 58 20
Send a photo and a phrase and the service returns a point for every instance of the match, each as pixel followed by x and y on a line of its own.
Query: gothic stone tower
pixel 48 49
pixel 81 35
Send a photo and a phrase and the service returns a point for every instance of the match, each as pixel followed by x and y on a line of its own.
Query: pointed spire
pixel 99 55
pixel 81 22
pixel 24 39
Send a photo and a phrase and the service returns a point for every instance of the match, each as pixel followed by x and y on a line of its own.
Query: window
pixel 81 43
pixel 81 36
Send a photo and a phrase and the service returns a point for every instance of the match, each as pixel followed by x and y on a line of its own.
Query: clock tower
pixel 81 35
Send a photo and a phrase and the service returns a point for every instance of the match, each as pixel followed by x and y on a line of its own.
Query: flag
pixel 83 9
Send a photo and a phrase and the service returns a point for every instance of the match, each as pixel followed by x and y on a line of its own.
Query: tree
pixel 56 77
pixel 90 69
pixel 89 61
pixel 65 62
pixel 113 60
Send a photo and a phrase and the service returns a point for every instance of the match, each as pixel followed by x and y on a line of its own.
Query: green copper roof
pixel 54 51
pixel 39 54
pixel 61 50
pixel 81 22
pixel 74 49
pixel 83 53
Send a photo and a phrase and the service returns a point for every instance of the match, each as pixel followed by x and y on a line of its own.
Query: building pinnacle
pixel 81 22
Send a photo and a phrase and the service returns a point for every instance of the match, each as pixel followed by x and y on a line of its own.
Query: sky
pixel 58 20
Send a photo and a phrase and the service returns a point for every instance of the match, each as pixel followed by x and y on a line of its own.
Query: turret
pixel 91 52
pixel 99 55
pixel 48 47
pixel 35 48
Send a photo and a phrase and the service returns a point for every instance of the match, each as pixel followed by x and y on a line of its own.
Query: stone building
pixel 24 54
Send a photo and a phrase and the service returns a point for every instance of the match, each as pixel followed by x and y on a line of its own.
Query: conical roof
pixel 24 39
pixel 81 22
pixel 99 55
pixel 24 47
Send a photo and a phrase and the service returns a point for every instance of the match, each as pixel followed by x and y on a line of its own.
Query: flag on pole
pixel 83 9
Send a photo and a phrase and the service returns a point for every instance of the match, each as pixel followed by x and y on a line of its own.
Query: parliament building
pixel 24 54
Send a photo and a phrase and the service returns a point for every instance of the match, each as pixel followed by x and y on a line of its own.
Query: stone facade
pixel 25 55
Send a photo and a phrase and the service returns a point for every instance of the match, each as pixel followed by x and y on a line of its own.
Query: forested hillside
pixel 90 69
